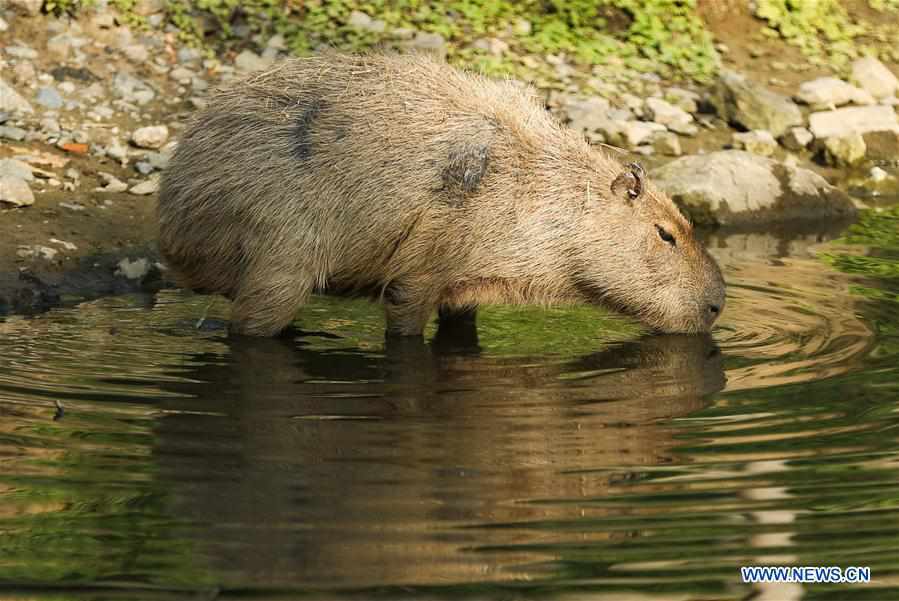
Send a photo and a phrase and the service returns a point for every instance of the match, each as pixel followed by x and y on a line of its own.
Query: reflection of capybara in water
pixel 295 467
pixel 404 179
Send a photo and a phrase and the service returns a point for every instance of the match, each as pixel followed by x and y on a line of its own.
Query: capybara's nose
pixel 715 310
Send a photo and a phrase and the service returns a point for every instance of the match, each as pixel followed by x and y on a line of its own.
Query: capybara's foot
pixel 267 310
pixel 407 319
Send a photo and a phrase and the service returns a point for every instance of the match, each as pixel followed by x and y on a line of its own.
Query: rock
pixel 11 101
pixel 136 53
pixel 16 134
pixel 666 143
pixel 24 73
pixel 132 89
pixel 23 52
pixel 494 46
pixel 61 46
pixel 758 142
pixel 64 244
pixel 830 92
pixel 360 20
pixel 93 92
pixel 189 55
pixel 632 103
pixel 872 75
pixel 630 134
pixel 42 252
pixel 684 99
pixel 248 61
pixel 852 119
pixel 150 186
pixel 28 7
pixel 796 139
pixel 15 191
pixel 844 151
pixel 116 150
pixel 878 175
pixel 586 114
pixel 103 20
pixel 882 146
pixel 674 118
pixel 112 183
pixel 4 26
pixel 152 137
pixel 522 27
pixel 15 168
pixel 737 187
pixel 430 42
pixel 277 42
pixel 49 98
pixel 160 160
pixel 181 75
pixel 133 270
pixel 752 106
pixel 149 7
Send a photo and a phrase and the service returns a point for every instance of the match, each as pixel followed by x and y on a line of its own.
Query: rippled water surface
pixel 558 454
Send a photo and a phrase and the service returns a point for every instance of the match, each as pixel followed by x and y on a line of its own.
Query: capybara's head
pixel 644 258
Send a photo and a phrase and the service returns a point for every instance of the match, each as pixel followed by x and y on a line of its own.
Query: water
pixel 560 454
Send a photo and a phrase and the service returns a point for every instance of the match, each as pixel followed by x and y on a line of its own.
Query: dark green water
pixel 560 455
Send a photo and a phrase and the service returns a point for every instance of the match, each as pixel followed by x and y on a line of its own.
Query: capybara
pixel 406 180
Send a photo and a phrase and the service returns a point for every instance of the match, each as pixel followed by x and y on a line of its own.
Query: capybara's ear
pixel 630 183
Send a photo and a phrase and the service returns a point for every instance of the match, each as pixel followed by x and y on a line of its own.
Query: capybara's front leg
pixel 265 305
pixel 408 310
pixel 457 316
pixel 407 319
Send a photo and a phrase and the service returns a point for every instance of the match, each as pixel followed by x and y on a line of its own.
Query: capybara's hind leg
pixel 264 305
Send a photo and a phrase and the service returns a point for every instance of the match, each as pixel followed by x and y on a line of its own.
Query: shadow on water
pixel 393 470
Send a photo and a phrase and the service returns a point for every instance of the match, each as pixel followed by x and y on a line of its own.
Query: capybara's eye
pixel 664 235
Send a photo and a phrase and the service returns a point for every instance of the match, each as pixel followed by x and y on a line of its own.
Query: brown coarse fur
pixel 401 178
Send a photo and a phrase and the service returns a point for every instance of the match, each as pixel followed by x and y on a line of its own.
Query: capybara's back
pixel 401 178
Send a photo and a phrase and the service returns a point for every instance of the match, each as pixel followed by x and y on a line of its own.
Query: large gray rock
pixel 872 75
pixel 853 120
pixel 752 106
pixel 11 101
pixel 735 187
